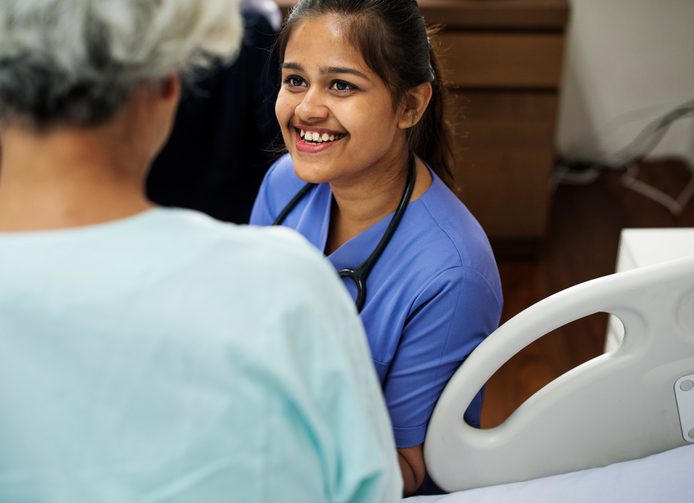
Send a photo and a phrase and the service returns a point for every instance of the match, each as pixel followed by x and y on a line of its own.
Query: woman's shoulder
pixel 453 235
pixel 281 175
pixel 455 225
pixel 279 186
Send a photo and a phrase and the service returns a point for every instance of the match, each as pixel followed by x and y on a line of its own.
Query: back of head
pixel 74 62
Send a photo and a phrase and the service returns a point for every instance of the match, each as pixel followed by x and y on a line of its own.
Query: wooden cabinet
pixel 503 61
pixel 502 64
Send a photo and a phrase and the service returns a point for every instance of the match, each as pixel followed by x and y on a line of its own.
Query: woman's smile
pixel 315 140
pixel 337 115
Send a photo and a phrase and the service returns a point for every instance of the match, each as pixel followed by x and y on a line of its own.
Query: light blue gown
pixel 169 357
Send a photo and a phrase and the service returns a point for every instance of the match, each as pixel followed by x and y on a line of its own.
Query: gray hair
pixel 76 62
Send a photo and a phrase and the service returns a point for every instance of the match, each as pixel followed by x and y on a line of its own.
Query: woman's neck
pixel 358 206
pixel 67 178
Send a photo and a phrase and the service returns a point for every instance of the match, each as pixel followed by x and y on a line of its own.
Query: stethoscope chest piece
pixel 359 280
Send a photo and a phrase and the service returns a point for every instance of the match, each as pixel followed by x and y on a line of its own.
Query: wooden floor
pixel 581 244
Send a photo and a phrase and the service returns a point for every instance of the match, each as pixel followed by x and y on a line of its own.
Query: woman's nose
pixel 312 107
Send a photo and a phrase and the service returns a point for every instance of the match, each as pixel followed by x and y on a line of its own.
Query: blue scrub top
pixel 432 297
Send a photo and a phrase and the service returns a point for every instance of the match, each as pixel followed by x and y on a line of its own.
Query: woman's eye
pixel 342 86
pixel 294 81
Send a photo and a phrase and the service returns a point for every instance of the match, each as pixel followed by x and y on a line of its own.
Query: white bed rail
pixel 616 407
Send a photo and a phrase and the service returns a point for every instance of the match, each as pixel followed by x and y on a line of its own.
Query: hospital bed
pixel 619 427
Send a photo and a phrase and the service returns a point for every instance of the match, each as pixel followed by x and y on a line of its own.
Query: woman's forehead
pixel 326 37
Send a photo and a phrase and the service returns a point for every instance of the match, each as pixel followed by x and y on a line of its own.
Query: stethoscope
pixel 359 274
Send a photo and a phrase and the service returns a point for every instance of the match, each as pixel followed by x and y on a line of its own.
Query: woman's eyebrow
pixel 342 69
pixel 289 65
pixel 292 66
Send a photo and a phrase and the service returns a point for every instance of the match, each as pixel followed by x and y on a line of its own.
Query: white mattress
pixel 667 477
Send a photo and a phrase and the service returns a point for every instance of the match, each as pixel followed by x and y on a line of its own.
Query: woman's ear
pixel 169 95
pixel 414 104
pixel 170 88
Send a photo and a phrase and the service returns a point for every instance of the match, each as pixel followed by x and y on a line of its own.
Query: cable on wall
pixel 578 173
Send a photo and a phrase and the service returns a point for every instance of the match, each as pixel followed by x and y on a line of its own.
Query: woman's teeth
pixel 315 137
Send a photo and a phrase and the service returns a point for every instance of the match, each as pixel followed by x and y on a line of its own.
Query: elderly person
pixel 151 354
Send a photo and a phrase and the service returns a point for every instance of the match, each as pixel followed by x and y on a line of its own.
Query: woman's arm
pixel 458 309
pixel 411 461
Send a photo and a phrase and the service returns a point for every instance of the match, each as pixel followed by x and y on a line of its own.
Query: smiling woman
pixel 360 109
pixel 337 94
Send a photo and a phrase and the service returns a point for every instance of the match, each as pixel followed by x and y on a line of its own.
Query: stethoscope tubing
pixel 359 274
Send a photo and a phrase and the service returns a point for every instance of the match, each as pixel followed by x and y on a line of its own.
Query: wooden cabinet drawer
pixel 506 14
pixel 513 60
pixel 503 145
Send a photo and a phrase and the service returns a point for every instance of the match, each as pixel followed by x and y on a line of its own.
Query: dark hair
pixel 394 41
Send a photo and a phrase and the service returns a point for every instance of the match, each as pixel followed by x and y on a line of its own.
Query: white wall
pixel 627 62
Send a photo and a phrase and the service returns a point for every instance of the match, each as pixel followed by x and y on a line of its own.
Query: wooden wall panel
pixel 502 59
pixel 504 149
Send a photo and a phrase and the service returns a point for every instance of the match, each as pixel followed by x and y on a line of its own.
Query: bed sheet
pixel 660 478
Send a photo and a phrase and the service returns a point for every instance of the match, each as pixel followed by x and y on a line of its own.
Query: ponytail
pixel 430 138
